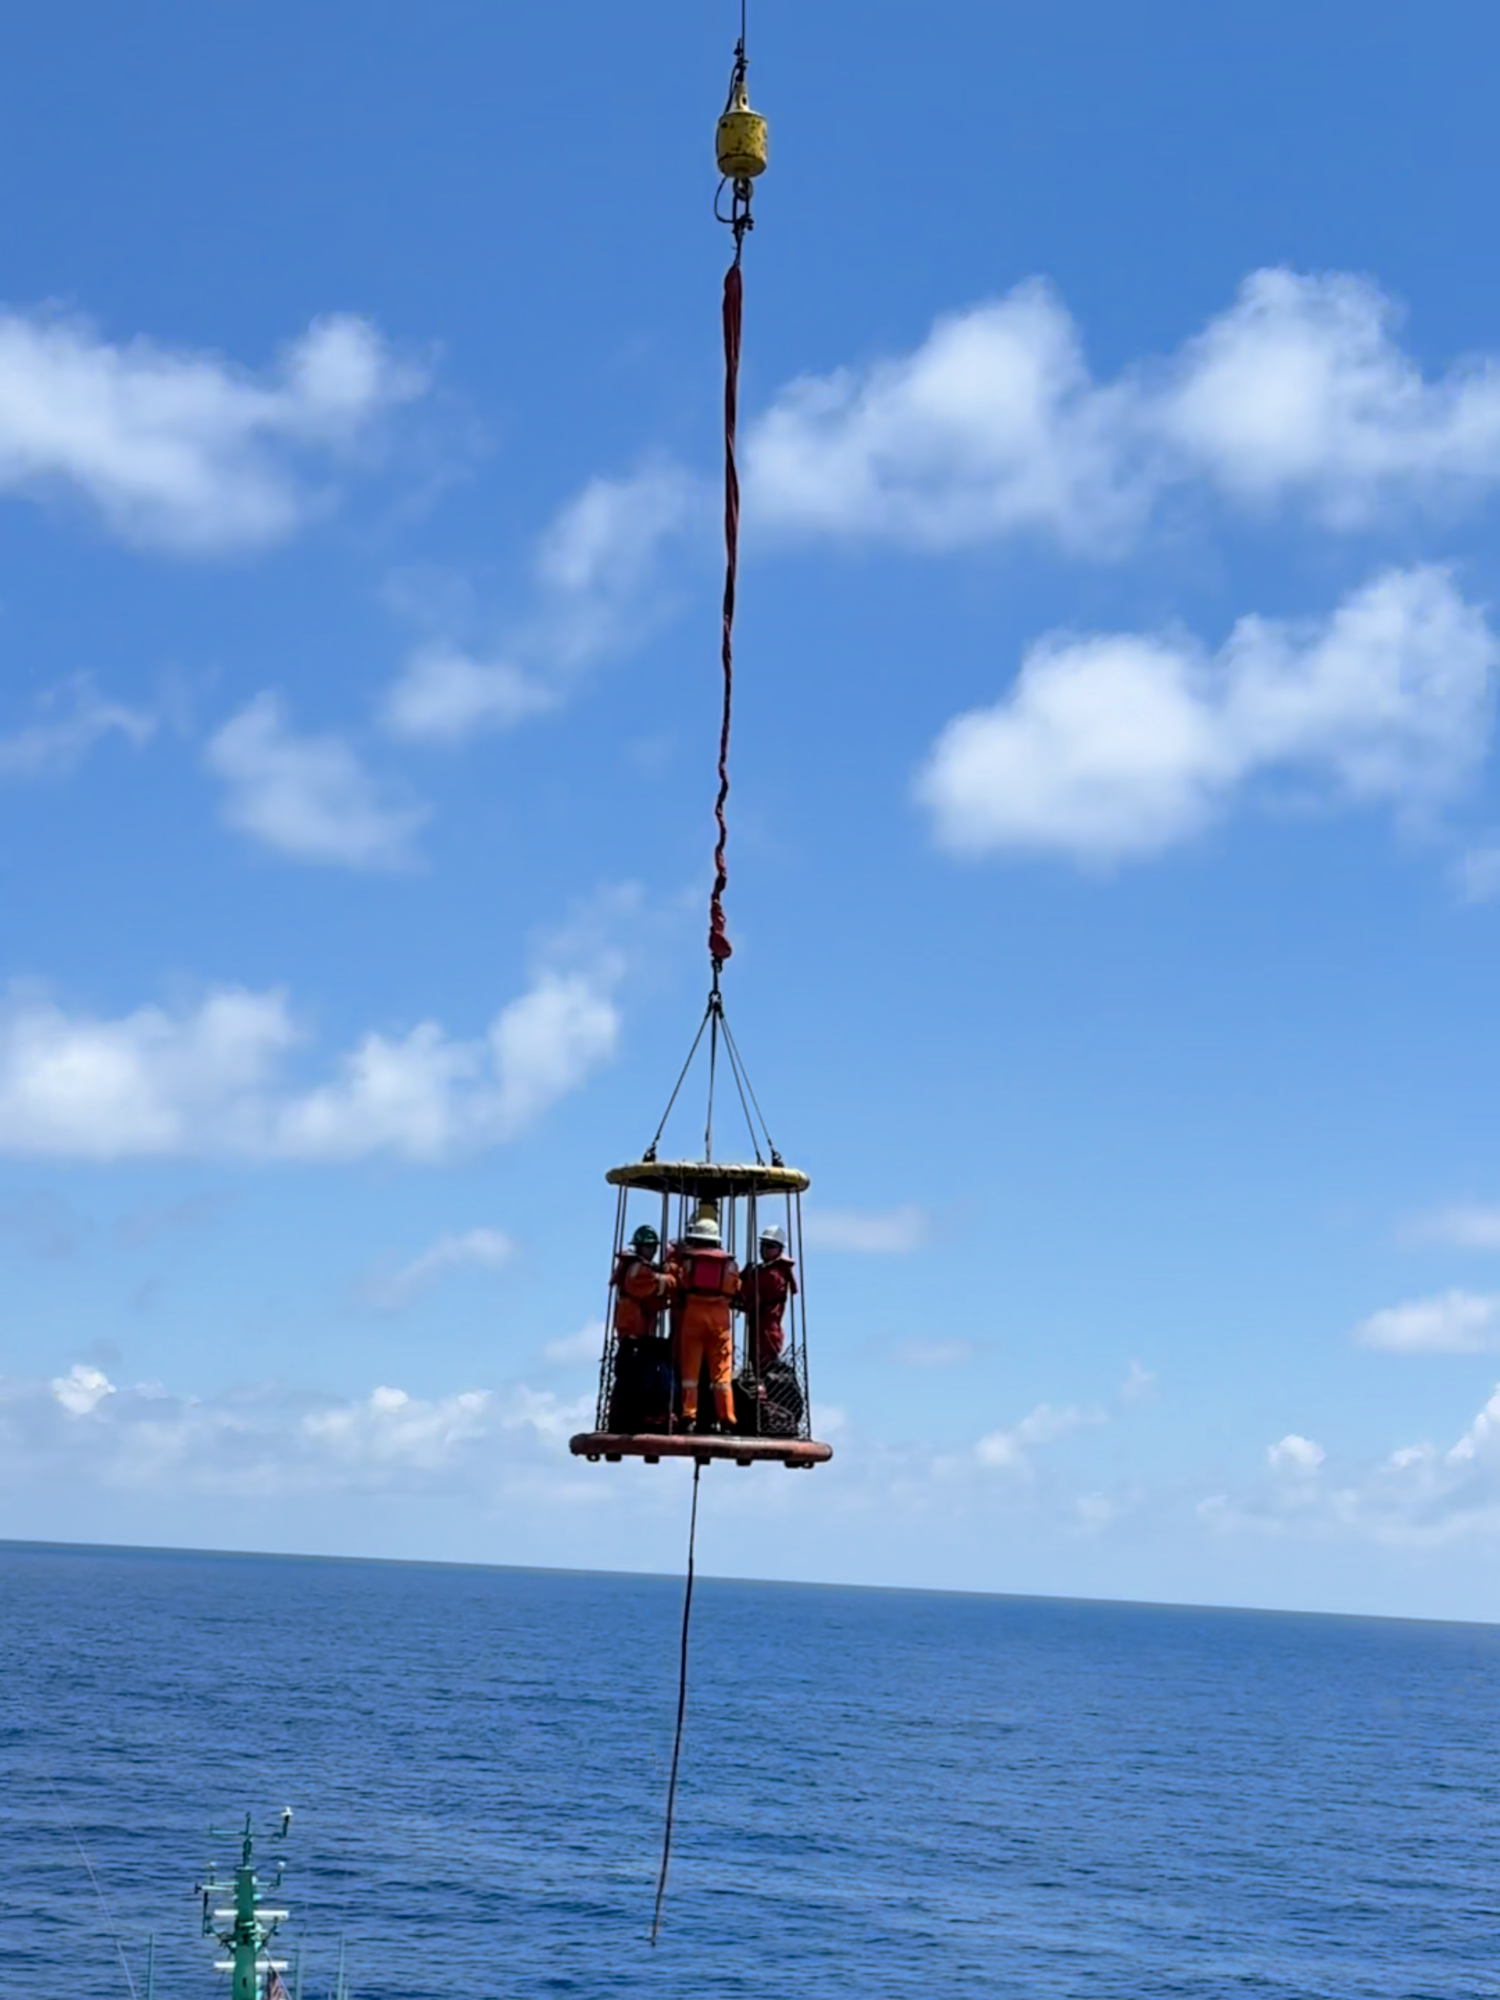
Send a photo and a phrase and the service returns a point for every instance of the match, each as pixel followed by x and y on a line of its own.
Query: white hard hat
pixel 773 1233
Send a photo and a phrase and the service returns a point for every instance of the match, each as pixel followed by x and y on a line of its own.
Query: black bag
pixel 645 1382
pixel 773 1408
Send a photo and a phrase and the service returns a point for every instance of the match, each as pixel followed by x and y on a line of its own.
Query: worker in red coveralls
pixel 764 1291
pixel 641 1290
pixel 704 1278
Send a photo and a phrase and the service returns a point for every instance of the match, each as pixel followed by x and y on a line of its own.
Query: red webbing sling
pixel 733 312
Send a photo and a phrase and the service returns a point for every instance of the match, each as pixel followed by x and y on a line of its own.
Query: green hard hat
pixel 645 1238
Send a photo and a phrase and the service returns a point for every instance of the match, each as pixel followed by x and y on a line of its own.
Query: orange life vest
pixel 704 1281
pixel 641 1291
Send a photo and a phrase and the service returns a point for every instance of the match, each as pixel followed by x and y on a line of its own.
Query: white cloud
pixel 209 1079
pixel 184 451
pixel 391 1427
pixel 1477 874
pixel 308 797
pixel 1139 1385
pixel 150 1083
pixel 499 1453
pixel 1466 1226
pixel 428 1097
pixel 444 695
pixel 990 426
pixel 596 564
pixel 1416 1495
pixel 596 591
pixel 1094 1512
pixel 1302 386
pixel 1116 746
pixel 82 1389
pixel 867 1232
pixel 390 1290
pixel 934 1353
pixel 546 1042
pixel 74 717
pixel 1481 1439
pixel 994 424
pixel 421 1094
pixel 266 1440
pixel 1011 1450
pixel 1452 1322
pixel 585 1345
pixel 1409 1454
pixel 1295 1454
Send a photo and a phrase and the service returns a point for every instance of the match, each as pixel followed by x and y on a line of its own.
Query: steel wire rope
pixel 735 1070
pixel 682 1673
pixel 607 1358
pixel 650 1152
pixel 715 1016
pixel 776 1159
pixel 109 1917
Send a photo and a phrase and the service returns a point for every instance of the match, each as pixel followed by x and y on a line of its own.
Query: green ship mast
pixel 251 1923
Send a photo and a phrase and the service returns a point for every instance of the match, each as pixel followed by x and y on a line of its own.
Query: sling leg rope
pixel 682 1666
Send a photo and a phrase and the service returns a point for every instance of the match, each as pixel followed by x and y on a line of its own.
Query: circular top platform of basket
pixel 612 1446
pixel 708 1177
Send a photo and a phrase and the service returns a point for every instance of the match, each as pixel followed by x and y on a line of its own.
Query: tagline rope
pixel 682 1669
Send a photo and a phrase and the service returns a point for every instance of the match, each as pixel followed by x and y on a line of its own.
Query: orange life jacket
pixel 640 1293
pixel 704 1281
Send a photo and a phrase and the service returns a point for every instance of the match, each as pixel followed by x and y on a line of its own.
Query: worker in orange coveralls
pixel 641 1290
pixel 645 1381
pixel 704 1278
pixel 764 1291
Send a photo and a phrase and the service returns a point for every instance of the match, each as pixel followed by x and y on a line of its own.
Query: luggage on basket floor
pixel 645 1384
pixel 776 1411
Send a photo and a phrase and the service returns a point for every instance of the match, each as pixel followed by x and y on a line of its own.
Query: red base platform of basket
pixel 612 1446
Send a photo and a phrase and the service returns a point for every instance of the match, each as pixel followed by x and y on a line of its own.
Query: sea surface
pixel 883 1792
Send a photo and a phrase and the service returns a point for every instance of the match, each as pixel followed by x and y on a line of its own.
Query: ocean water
pixel 883 1792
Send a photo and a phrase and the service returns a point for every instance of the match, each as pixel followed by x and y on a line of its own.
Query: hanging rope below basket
pixel 682 1669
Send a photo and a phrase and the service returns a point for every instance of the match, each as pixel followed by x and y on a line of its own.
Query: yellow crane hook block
pixel 740 141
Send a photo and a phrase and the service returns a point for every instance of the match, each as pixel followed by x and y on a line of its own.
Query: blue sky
pixel 1115 850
